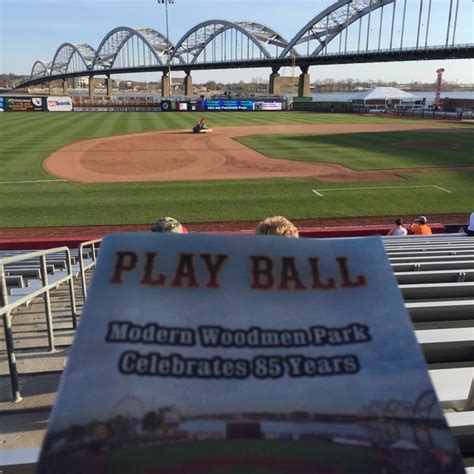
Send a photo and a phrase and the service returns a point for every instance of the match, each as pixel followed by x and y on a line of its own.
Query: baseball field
pixel 229 456
pixel 78 169
pixel 243 456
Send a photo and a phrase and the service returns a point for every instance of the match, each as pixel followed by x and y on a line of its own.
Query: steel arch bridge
pixel 250 37
pixel 348 31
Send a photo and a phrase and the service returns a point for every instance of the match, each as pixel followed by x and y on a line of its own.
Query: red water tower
pixel 439 83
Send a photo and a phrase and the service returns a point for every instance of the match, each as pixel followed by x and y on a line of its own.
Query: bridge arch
pixel 40 69
pixel 67 52
pixel 332 22
pixel 264 34
pixel 156 44
pixel 426 405
pixel 195 41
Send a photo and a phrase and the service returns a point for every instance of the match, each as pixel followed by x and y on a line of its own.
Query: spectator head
pixel 422 220
pixel 277 225
pixel 399 221
pixel 168 224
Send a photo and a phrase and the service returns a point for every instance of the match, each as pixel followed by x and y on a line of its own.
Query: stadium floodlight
pixel 166 3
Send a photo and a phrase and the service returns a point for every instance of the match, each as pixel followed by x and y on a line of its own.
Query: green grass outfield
pixel 27 138
pixel 317 454
pixel 370 151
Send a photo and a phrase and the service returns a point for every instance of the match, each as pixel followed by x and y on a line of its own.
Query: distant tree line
pixel 255 86
pixel 260 86
pixel 353 85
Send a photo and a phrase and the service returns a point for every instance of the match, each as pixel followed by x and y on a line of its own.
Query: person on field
pixel 277 225
pixel 168 224
pixel 399 229
pixel 201 125
pixel 419 227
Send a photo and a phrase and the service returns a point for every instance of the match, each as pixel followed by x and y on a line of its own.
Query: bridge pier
pixel 54 85
pixel 91 86
pixel 165 85
pixel 188 84
pixel 110 85
pixel 304 83
pixel 275 82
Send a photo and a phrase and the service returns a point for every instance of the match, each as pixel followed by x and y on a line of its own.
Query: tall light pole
pixel 166 2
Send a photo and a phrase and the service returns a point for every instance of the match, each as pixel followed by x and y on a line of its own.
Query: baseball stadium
pixel 75 167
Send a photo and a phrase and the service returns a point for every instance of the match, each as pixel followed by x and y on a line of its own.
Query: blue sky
pixel 33 29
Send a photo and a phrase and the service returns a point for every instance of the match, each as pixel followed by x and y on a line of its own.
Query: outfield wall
pixel 349 107
pixel 337 107
pixel 36 104
pixel 137 104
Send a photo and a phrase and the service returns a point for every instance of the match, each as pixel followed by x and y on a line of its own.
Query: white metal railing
pixel 7 307
pixel 93 244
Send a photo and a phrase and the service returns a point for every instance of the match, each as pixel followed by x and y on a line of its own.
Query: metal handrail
pixel 6 308
pixel 83 268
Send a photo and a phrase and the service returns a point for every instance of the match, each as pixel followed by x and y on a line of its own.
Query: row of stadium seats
pixel 436 277
pixel 23 277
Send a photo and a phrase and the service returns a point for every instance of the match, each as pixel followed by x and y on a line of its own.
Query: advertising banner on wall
pixel 265 106
pixel 189 106
pixel 194 105
pixel 24 104
pixel 206 354
pixel 242 105
pixel 119 108
pixel 2 105
pixel 167 105
pixel 59 104
pixel 228 105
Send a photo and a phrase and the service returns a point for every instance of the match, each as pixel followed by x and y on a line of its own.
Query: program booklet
pixel 245 354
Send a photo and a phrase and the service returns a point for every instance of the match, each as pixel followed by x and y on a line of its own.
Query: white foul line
pixel 36 181
pixel 380 187
pixel 442 189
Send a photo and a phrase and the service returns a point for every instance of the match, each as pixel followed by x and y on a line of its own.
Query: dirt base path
pixel 182 155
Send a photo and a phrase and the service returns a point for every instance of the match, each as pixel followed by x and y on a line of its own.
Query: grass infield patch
pixel 370 151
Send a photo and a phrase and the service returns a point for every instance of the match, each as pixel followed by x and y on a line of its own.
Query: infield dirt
pixel 184 156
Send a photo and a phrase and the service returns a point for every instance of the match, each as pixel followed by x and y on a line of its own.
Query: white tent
pixel 385 94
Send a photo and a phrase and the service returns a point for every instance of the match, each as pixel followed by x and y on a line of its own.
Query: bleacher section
pixel 22 277
pixel 436 278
